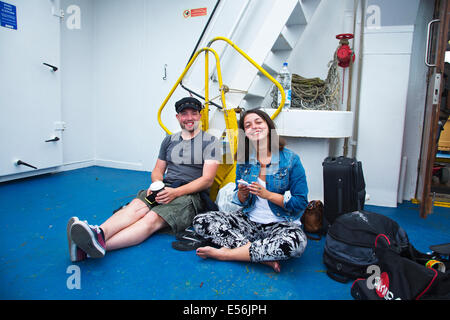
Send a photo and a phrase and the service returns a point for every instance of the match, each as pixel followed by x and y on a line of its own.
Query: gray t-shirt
pixel 185 158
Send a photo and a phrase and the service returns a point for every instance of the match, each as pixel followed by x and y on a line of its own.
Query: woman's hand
pixel 258 190
pixel 243 192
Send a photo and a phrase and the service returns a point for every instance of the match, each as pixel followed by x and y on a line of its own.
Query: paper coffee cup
pixel 155 187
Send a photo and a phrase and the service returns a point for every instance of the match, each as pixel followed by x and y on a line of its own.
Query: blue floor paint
pixel 34 253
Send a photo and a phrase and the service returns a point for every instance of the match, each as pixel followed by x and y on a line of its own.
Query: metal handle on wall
pixel 53 139
pixel 427 47
pixel 54 69
pixel 22 163
pixel 165 72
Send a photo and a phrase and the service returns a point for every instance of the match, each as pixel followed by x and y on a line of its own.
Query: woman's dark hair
pixel 242 138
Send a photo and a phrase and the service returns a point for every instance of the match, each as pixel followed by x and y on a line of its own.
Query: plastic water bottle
pixel 285 78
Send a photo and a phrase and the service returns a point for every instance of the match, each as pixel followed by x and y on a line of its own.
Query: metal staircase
pixel 268 31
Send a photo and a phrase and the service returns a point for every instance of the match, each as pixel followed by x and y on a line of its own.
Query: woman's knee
pixel 283 245
pixel 299 242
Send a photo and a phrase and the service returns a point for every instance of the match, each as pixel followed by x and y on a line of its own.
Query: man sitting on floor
pixel 189 159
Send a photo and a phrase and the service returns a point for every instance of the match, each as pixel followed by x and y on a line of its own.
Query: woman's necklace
pixel 264 162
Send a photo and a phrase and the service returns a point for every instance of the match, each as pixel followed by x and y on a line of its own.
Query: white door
pixel 30 110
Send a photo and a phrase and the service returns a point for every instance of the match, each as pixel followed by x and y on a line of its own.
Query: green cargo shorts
pixel 179 213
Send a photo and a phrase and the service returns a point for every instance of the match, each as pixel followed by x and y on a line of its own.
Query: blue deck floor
pixel 34 256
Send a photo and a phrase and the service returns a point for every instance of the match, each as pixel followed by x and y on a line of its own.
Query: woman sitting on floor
pixel 272 191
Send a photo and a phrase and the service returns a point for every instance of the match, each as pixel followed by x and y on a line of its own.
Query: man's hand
pixel 167 195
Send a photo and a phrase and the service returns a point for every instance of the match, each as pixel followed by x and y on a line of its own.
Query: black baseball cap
pixel 188 102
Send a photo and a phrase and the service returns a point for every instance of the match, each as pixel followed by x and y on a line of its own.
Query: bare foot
pixel 275 265
pixel 210 252
pixel 223 254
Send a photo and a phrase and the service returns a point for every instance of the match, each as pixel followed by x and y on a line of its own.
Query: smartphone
pixel 151 199
pixel 245 183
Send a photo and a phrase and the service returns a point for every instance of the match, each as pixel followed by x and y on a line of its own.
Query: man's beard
pixel 191 129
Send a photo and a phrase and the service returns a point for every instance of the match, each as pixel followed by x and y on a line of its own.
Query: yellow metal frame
pixel 257 66
pixel 226 172
pixel 219 73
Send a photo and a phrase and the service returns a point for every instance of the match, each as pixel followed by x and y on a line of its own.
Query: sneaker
pixel 89 238
pixel 76 254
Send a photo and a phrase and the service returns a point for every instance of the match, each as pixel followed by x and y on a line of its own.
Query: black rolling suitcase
pixel 343 185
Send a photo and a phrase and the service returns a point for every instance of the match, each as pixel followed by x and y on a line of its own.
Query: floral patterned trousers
pixel 269 242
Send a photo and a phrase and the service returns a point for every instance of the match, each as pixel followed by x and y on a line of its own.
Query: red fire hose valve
pixel 344 53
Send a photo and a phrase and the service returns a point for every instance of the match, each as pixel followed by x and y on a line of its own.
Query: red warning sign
pixel 195 12
pixel 198 12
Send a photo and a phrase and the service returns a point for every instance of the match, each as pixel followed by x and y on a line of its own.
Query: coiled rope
pixel 314 93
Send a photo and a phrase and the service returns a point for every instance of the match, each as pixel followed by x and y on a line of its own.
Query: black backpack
pixel 400 278
pixel 350 242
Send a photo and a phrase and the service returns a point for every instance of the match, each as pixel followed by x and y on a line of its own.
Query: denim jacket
pixel 284 175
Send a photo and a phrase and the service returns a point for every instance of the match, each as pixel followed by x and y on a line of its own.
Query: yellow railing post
pixel 205 111
pixel 264 72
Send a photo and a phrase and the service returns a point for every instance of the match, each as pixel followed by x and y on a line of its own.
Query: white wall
pixel 119 80
pixel 113 85
pixel 384 86
pixel 133 42
pixel 171 39
pixel 77 85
